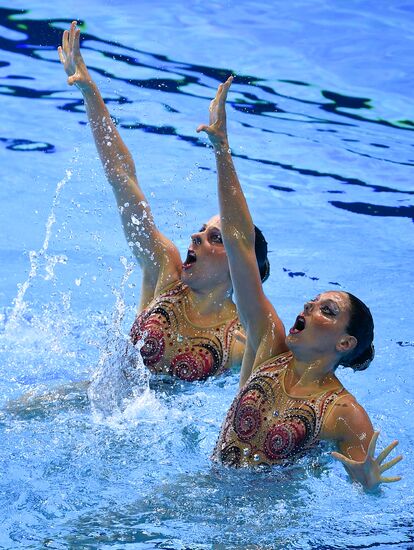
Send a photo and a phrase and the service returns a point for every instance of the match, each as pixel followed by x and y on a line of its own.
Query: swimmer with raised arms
pixel 186 319
pixel 290 397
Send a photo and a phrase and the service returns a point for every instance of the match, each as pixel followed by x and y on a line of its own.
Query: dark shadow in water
pixel 293 274
pixel 280 188
pixel 376 209
pixel 299 274
pixel 27 145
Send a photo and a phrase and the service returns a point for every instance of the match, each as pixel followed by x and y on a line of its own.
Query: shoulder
pixel 346 418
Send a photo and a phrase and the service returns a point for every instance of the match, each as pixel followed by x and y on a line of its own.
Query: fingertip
pixel 391 479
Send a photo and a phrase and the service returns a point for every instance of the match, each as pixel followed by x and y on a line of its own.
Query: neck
pixel 313 373
pixel 215 303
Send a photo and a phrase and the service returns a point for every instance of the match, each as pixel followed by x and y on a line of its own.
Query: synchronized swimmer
pixel 290 397
pixel 186 319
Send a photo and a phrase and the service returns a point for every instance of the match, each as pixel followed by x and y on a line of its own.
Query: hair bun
pixel 363 360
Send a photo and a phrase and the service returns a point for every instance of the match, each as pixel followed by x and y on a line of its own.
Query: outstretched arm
pixel 265 330
pixel 356 440
pixel 158 257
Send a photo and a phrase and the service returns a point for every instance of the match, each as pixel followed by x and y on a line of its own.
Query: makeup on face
pixel 328 307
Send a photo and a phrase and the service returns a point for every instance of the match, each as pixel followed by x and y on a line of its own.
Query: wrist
pixel 87 87
pixel 222 147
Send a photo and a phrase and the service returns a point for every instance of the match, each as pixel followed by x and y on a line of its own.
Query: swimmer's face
pixel 206 260
pixel 321 328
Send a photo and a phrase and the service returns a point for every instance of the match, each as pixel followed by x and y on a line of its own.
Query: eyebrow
pixel 204 227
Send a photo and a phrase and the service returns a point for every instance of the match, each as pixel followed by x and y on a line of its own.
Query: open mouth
pixel 299 325
pixel 190 259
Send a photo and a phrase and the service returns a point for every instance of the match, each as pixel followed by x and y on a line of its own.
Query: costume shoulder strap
pixel 331 399
pixel 274 364
pixel 175 289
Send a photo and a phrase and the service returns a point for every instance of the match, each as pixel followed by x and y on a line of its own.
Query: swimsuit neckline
pixel 214 325
pixel 308 396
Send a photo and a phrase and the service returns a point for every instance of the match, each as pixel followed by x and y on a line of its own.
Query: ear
pixel 346 343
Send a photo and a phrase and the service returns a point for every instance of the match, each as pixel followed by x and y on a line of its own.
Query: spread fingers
pixel 383 454
pixel 390 464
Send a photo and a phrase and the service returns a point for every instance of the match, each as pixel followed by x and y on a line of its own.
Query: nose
pixel 307 308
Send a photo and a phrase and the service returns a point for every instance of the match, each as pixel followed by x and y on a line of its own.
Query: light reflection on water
pixel 326 162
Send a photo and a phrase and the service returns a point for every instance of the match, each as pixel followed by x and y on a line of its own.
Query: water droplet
pixel 275 413
pixel 179 338
pixel 256 458
pixel 246 451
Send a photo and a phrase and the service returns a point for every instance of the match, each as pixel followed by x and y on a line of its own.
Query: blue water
pixel 321 127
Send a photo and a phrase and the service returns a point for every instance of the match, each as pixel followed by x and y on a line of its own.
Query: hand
pixel 217 127
pixel 368 472
pixel 71 58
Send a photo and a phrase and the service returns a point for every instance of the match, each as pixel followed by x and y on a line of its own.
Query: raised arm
pixel 266 334
pixel 158 256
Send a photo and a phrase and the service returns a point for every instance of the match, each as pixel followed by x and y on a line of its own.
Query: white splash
pixel 36 259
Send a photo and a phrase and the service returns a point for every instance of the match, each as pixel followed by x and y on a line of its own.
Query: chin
pixel 186 277
pixel 292 341
pixel 190 278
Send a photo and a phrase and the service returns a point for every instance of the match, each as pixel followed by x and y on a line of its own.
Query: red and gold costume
pixel 172 344
pixel 266 425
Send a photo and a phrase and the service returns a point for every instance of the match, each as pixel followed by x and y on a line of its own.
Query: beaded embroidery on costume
pixel 265 425
pixel 173 345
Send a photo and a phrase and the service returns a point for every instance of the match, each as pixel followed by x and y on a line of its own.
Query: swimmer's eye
pixel 216 238
pixel 328 311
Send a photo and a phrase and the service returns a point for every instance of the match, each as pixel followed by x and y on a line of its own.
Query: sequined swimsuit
pixel 175 346
pixel 266 425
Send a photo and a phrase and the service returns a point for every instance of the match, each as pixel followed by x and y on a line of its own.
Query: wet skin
pixel 324 320
pixel 211 264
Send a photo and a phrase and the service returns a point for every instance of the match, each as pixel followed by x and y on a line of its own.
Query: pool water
pixel 321 128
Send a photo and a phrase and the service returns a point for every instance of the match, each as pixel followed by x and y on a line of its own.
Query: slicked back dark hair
pixel 361 326
pixel 260 247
